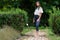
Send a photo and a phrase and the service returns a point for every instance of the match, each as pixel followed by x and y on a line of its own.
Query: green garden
pixel 15 14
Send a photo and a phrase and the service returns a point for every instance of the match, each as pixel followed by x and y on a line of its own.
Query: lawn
pixel 50 34
pixel 48 30
pixel 8 33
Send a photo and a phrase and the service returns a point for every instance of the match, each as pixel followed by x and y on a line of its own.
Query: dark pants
pixel 36 22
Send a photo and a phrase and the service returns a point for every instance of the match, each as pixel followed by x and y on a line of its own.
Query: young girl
pixel 37 16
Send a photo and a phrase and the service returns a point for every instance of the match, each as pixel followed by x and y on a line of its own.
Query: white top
pixel 38 11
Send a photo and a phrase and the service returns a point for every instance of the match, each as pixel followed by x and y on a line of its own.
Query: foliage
pixel 13 17
pixel 29 6
pixel 50 34
pixel 54 20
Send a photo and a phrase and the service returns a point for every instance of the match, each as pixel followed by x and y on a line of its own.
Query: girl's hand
pixel 38 20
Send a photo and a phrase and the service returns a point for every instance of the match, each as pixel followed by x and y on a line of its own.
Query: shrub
pixel 13 17
pixel 54 20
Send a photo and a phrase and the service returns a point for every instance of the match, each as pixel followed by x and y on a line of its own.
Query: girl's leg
pixel 37 25
pixel 37 29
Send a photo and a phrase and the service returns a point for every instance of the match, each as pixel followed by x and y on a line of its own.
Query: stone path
pixel 30 36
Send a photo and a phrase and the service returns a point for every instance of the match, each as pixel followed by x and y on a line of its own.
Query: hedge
pixel 16 18
pixel 54 21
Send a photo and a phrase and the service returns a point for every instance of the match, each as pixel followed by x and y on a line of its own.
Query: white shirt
pixel 38 11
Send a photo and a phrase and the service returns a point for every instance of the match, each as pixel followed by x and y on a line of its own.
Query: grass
pixel 26 29
pixel 48 30
pixel 50 34
pixel 8 33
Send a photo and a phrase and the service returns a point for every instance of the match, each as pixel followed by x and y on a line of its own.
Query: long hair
pixel 35 3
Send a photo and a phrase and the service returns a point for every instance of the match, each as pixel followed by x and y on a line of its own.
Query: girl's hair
pixel 35 3
pixel 38 1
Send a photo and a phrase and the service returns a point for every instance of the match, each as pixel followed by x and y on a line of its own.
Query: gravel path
pixel 31 36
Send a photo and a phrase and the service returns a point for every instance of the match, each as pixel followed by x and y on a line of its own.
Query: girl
pixel 37 16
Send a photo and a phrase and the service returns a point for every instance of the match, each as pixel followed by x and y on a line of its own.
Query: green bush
pixel 16 18
pixel 54 20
